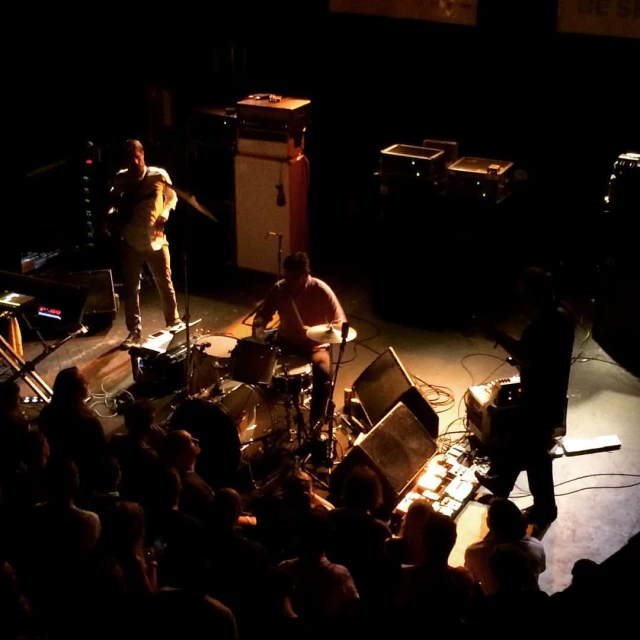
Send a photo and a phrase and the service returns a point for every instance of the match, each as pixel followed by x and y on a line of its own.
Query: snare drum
pixel 292 375
pixel 212 356
pixel 253 362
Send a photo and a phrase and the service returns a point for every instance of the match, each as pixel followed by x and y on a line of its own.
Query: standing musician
pixel 141 200
pixel 544 356
pixel 302 302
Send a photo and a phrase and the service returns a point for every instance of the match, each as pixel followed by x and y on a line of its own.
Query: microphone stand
pixel 279 276
pixel 187 318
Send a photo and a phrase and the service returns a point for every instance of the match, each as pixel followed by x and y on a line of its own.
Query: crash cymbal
pixel 191 199
pixel 325 333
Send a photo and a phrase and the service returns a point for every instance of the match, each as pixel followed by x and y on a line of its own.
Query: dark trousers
pixel 321 376
pixel 528 451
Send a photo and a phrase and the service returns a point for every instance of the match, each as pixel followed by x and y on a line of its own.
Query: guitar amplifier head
pixel 419 163
pixel 480 178
pixel 449 147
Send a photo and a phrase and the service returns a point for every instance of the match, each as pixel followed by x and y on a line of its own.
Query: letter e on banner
pixel 617 18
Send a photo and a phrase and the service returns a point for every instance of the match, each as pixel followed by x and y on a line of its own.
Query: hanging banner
pixel 453 11
pixel 619 18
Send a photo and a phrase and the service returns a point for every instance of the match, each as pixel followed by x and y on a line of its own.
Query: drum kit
pixel 250 399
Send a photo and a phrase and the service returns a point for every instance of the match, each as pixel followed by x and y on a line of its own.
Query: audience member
pixel 449 591
pixel 72 428
pixel 514 601
pixel 358 537
pixel 180 450
pixel 322 590
pixel 14 427
pixel 138 459
pixel 506 526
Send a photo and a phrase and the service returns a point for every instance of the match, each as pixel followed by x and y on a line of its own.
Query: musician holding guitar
pixel 544 355
pixel 141 198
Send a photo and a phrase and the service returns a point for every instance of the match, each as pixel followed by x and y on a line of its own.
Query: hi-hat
pixel 325 333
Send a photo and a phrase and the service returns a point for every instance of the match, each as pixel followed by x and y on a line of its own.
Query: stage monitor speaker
pixel 102 302
pixel 386 382
pixel 396 449
pixel 271 198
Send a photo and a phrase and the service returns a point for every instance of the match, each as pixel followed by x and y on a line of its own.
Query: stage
pixel 604 400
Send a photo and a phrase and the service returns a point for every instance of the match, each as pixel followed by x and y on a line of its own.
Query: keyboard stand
pixel 26 370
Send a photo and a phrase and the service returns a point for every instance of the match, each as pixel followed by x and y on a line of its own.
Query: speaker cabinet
pixel 396 449
pixel 102 302
pixel 271 197
pixel 384 383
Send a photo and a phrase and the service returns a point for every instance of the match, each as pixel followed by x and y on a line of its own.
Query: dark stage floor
pixel 604 399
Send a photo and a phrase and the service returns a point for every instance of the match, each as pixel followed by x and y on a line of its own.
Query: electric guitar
pixel 122 212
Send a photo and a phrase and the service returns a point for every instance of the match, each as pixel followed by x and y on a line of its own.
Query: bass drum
pixel 231 428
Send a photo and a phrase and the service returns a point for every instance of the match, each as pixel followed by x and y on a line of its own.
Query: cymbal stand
pixel 331 405
pixel 278 277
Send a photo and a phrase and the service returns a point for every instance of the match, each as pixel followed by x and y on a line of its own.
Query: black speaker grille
pixel 381 385
pixel 399 446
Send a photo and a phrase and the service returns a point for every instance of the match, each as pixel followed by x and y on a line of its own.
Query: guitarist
pixel 544 356
pixel 141 200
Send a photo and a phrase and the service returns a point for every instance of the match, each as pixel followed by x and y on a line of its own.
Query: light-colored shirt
pixel 476 560
pixel 317 304
pixel 153 199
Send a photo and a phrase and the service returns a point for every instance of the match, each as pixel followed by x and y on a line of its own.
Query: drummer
pixel 302 302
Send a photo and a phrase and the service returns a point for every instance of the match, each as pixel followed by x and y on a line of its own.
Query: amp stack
pixel 271 180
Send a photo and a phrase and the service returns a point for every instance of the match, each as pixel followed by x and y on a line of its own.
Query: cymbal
pixel 191 199
pixel 325 333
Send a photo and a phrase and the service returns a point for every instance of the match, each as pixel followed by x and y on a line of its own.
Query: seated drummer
pixel 302 302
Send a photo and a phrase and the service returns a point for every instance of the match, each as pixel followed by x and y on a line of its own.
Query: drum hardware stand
pixel 293 400
pixel 331 405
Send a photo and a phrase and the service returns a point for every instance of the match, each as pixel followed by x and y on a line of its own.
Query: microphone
pixel 345 331
pixel 272 233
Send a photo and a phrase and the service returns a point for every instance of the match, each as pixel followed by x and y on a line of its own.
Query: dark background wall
pixel 560 106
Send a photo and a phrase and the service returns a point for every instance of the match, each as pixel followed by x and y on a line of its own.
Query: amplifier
pixel 102 301
pixel 272 126
pixel 216 126
pixel 493 411
pixel 492 408
pixel 480 178
pixel 413 162
pixel 450 149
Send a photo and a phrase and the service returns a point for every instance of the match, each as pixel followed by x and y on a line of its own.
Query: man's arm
pixel 336 312
pixel 170 196
pixel 264 314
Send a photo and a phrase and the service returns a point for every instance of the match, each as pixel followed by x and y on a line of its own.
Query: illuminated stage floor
pixel 604 399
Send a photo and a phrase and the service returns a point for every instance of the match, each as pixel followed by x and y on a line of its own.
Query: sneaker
pixel 132 340
pixel 491 483
pixel 539 520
